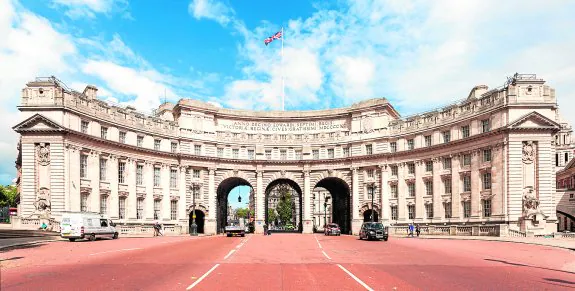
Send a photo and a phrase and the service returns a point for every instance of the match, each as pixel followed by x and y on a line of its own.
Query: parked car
pixel 332 229
pixel 373 230
pixel 80 225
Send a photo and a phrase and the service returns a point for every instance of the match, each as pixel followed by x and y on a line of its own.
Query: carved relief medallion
pixel 43 153
pixel 528 152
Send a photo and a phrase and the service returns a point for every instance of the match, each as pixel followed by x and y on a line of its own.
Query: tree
pixel 271 215
pixel 8 196
pixel 284 207
pixel 243 213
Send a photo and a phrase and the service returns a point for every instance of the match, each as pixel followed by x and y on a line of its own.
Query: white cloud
pixel 89 8
pixel 211 9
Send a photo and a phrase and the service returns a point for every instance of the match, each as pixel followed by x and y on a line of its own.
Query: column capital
pixel 354 169
pixel 212 170
pixel 382 167
pixel 306 173
pixel 259 173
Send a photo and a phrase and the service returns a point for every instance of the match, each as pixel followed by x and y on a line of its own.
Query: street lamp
pixel 194 226
pixel 325 199
pixel 372 190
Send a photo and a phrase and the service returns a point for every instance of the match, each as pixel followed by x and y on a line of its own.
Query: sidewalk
pixel 550 242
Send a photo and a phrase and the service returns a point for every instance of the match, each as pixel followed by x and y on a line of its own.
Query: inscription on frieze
pixel 282 126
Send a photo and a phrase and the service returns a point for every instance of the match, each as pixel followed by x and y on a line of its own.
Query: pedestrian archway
pixel 223 192
pixel 367 215
pixel 199 220
pixel 283 206
pixel 339 193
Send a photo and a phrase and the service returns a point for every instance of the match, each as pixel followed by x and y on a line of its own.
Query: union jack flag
pixel 268 40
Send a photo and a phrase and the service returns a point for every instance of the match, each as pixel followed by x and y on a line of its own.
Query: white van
pixel 89 225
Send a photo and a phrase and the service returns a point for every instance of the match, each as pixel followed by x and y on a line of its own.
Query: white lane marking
pixel 318 244
pixel 326 255
pixel 202 277
pixel 115 251
pixel 229 254
pixel 355 278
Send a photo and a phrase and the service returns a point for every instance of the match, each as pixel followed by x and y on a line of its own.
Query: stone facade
pixel 565 197
pixel 486 159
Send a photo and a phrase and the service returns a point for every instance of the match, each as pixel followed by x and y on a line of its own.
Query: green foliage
pixel 8 196
pixel 271 215
pixel 243 213
pixel 285 206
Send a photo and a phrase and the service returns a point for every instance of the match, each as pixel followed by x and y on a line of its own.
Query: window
pixel 173 178
pixel 411 211
pixel 103 204
pixel 411 168
pixel 368 149
pixel 370 191
pixel 315 154
pixel 122 138
pixel 393 190
pixel 298 155
pixel 486 208
pixel 411 189
pixel 83 202
pixel 83 166
pixel 84 126
pixel 139 174
pixel 427 140
pixel 465 131
pixel 429 166
pixel 103 164
pixel 197 150
pixel 251 154
pixel 104 132
pixel 196 192
pixel 410 144
pixel 346 152
pixel 466 183
pixel 428 188
pixel 156 177
pixel 283 154
pixel 139 208
pixel 447 163
pixel 566 157
pixel 235 153
pixel 196 173
pixel 486 181
pixel 122 207
pixel 394 170
pixel 220 152
pixel 121 172
pixel 394 212
pixel 447 186
pixel 487 155
pixel 157 143
pixel 446 136
pixel 156 209
pixel 173 209
pixel 429 210
pixel 330 153
pixel 370 173
pixel 485 125
pixel 140 141
pixel 466 209
pixel 268 154
pixel 467 159
pixel 393 146
pixel 447 209
pixel 174 147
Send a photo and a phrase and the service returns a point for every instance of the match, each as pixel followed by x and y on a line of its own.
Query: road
pixel 286 262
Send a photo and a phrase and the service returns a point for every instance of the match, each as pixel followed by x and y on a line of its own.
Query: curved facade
pixel 473 162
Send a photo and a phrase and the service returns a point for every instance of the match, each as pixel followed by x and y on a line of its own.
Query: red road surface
pixel 287 262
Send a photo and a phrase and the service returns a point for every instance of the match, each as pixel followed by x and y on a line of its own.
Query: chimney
pixel 91 92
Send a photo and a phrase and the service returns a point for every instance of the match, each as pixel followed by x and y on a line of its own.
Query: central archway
pixel 341 202
pixel 223 191
pixel 272 197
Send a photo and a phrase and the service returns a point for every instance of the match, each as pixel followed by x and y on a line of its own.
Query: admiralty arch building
pixel 487 159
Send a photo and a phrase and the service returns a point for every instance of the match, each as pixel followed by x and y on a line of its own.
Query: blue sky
pixel 419 54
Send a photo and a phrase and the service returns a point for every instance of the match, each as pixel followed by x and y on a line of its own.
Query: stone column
pixel 113 199
pixel 165 203
pixel 210 226
pixel 419 191
pixel 356 220
pixel 456 188
pixel 260 200
pixel 438 211
pixel 94 176
pixel 183 217
pixel 130 180
pixel 384 190
pixel 401 193
pixel 148 182
pixel 475 185
pixel 307 223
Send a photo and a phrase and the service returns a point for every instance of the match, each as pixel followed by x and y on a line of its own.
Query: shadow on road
pixel 11 259
pixel 20 247
pixel 529 266
pixel 559 281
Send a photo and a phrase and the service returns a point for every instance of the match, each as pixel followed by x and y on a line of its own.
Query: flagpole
pixel 282 66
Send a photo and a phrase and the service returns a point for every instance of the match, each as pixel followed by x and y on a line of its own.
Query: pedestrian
pixel 417 230
pixel 410 230
pixel 265 229
pixel 269 231
pixel 156 229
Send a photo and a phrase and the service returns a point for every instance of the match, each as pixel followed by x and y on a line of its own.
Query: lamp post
pixel 325 199
pixel 372 190
pixel 194 226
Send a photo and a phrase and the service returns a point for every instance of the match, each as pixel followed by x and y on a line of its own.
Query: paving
pixel 287 262
pixel 566 243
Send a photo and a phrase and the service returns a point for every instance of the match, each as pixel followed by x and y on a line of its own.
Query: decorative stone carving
pixel 283 173
pixel 528 152
pixel 530 201
pixel 211 171
pixel 43 153
pixel 306 173
pixel 330 172
pixel 43 201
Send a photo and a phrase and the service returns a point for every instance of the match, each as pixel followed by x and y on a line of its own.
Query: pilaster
pixel 384 190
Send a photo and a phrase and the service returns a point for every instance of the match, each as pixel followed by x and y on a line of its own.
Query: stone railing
pixel 516 233
pixel 461 230
pixel 147 230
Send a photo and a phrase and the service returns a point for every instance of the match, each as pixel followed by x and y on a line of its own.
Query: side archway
pixel 367 210
pixel 341 202
pixel 199 216
pixel 222 193
pixel 297 207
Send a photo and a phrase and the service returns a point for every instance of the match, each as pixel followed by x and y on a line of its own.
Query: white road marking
pixel 115 251
pixel 355 278
pixel 326 255
pixel 318 244
pixel 229 254
pixel 202 277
